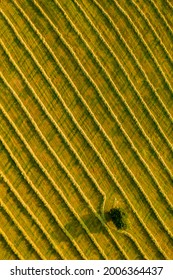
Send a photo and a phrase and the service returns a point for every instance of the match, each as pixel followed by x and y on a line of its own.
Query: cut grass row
pixel 156 142
pixel 32 197
pixel 129 64
pixel 61 210
pixel 73 202
pixel 153 97
pixel 14 236
pixel 7 249
pixel 29 220
pixel 132 35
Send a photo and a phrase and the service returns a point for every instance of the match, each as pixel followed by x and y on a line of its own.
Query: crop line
pixel 129 235
pixel 153 29
pixel 28 115
pixel 67 142
pixel 22 172
pixel 11 245
pixel 42 105
pixel 86 74
pixel 76 186
pixel 53 182
pixel 46 204
pixel 155 243
pixel 144 43
pixel 39 195
pixel 30 213
pixel 169 3
pixel 91 175
pixel 103 223
pixel 115 57
pixel 89 205
pixel 157 154
pixel 147 199
pixel 132 146
pixel 162 17
pixel 139 66
pixel 25 206
pixel 95 120
pixel 142 223
pixel 22 230
pixel 70 177
pixel 33 156
pixel 127 77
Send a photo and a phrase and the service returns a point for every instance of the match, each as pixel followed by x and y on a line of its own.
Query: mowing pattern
pixel 86 126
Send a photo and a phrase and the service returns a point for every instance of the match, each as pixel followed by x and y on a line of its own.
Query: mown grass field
pixel 86 125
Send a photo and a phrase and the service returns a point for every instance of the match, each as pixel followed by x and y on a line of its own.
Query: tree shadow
pixel 90 221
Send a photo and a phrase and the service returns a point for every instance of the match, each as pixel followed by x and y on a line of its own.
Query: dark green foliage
pixel 116 215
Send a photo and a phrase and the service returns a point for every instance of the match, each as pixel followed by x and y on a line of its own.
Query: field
pixel 86 126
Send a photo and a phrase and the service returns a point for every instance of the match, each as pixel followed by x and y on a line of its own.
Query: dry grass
pixel 86 125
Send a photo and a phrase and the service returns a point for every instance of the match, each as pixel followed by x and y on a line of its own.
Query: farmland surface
pixel 86 125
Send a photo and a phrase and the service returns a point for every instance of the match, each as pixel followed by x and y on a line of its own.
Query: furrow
pixel 170 4
pixel 22 230
pixel 135 60
pixel 97 89
pixel 11 245
pixel 109 232
pixel 74 184
pixel 45 203
pixel 157 154
pixel 165 110
pixel 65 139
pixel 66 171
pixel 32 215
pixel 150 171
pixel 167 53
pixel 162 17
pixel 128 79
pixel 56 189
pixel 85 198
pixel 135 29
pixel 31 192
pixel 137 6
pixel 85 105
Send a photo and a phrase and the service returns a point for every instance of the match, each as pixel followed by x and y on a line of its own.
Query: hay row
pixel 34 218
pixel 13 102
pixel 144 135
pixel 93 116
pixel 11 246
pixel 64 168
pixel 135 59
pixel 46 204
pixel 135 30
pixel 93 146
pixel 34 197
pixel 22 230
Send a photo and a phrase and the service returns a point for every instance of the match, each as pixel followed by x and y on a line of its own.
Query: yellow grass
pixel 86 125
